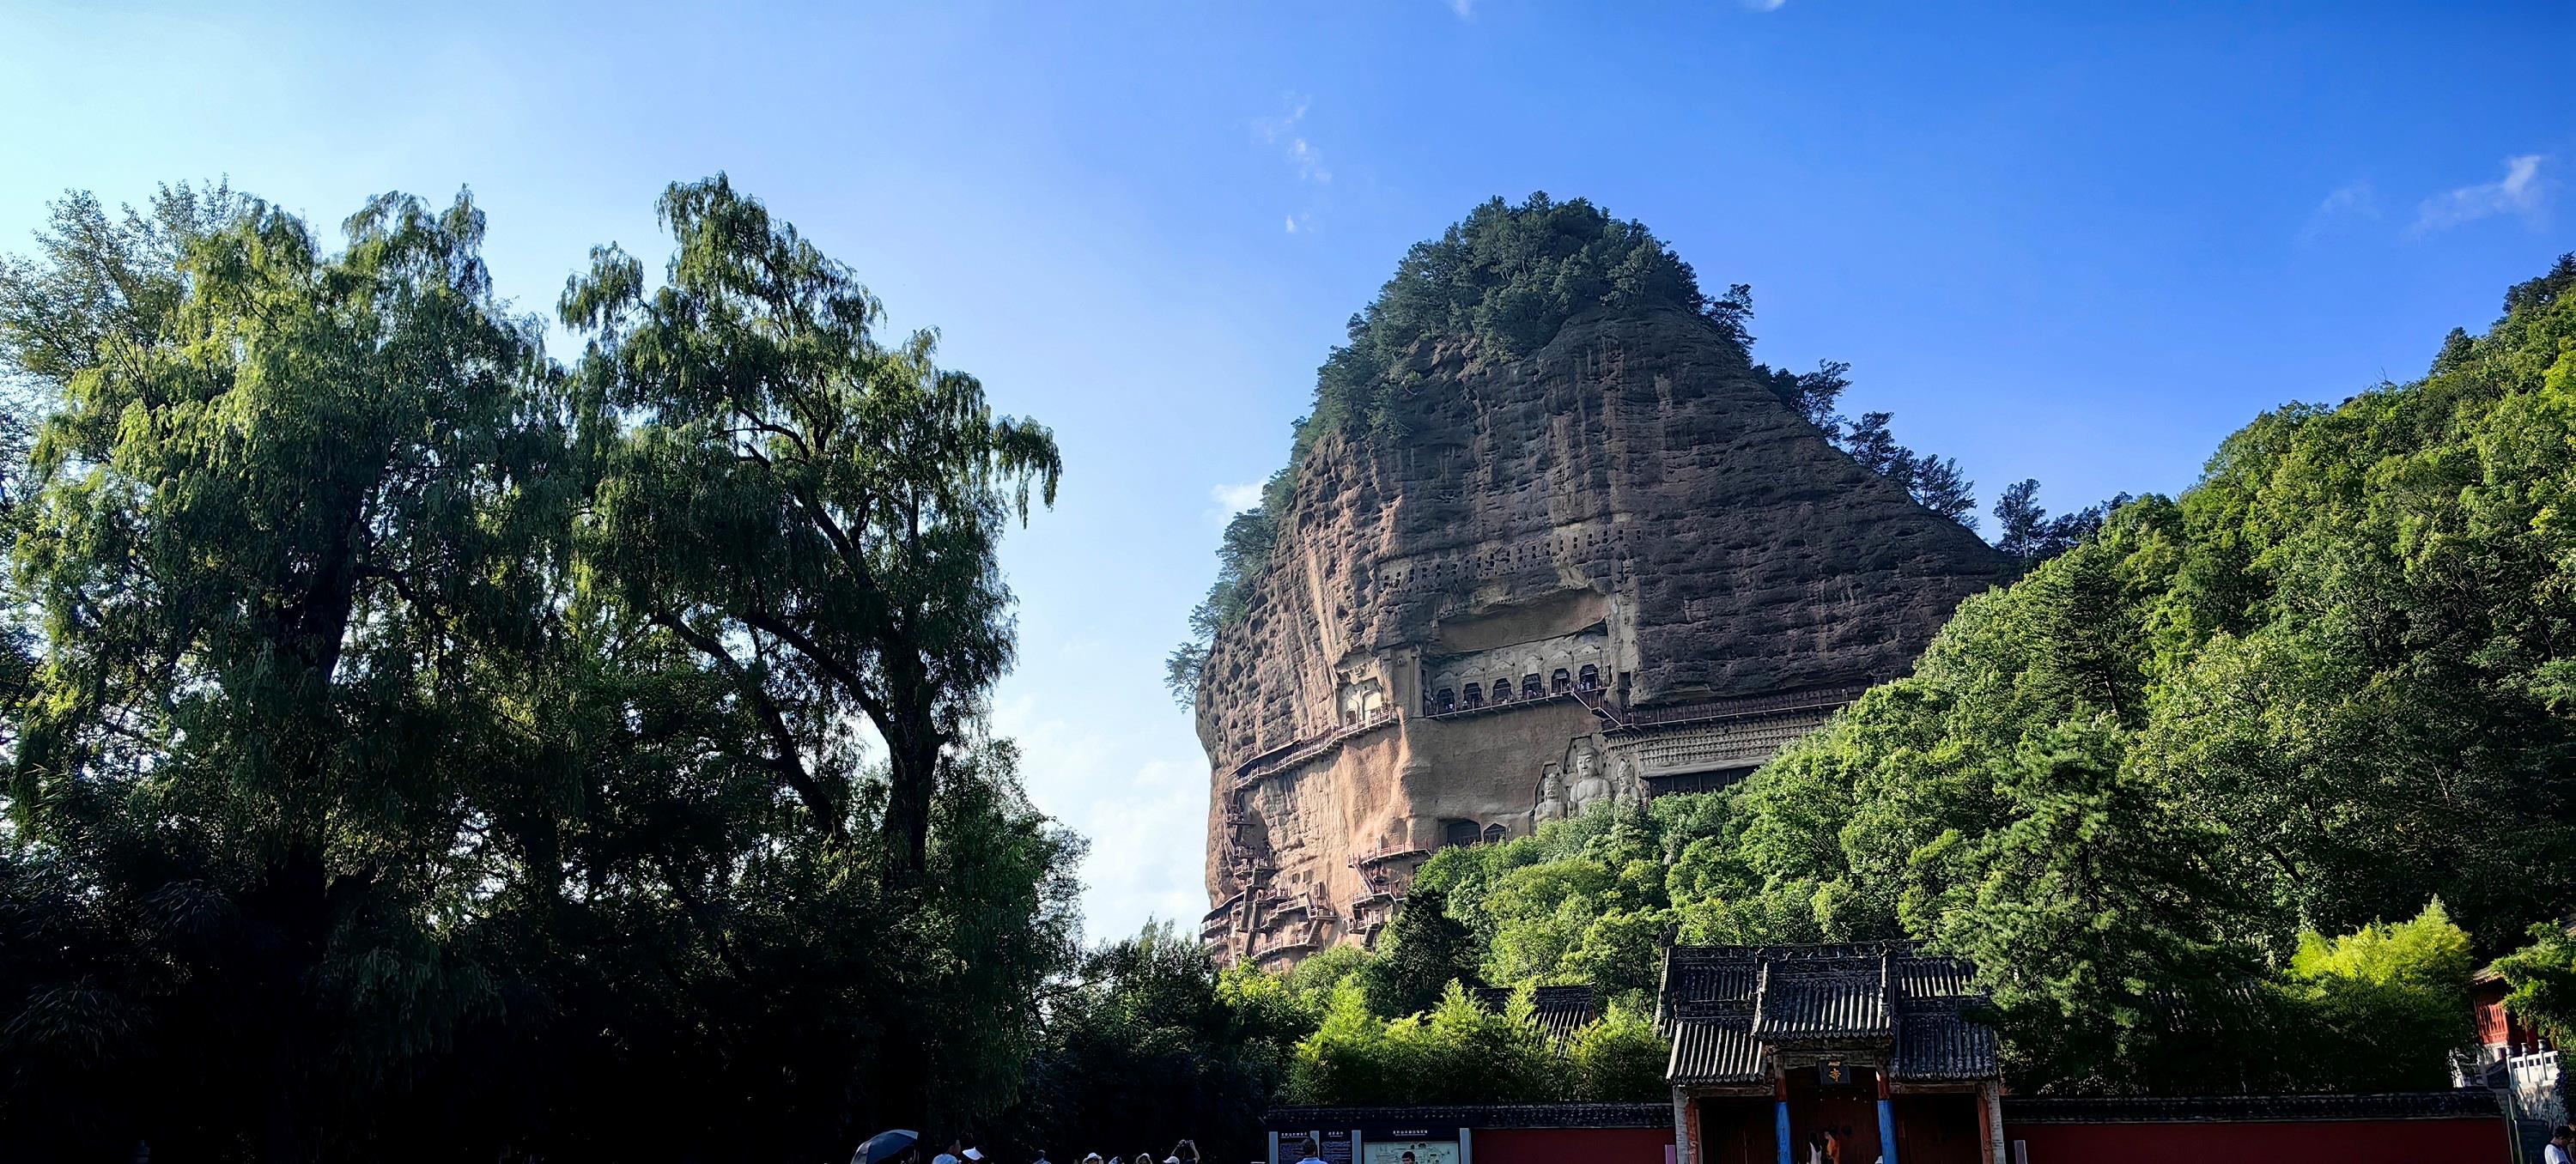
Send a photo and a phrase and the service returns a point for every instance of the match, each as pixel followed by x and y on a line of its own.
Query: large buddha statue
pixel 1591 782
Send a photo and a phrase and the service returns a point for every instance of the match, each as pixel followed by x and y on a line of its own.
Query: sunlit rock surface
pixel 1615 567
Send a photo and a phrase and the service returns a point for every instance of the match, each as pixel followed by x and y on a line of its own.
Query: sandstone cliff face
pixel 1659 569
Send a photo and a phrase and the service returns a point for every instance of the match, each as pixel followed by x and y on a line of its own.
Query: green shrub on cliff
pixel 1503 280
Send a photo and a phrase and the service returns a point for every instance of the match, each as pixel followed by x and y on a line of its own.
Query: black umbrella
pixel 885 1146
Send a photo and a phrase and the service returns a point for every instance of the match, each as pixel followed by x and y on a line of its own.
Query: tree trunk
pixel 912 779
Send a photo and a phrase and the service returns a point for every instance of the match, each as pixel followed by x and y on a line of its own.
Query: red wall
pixel 1572 1145
pixel 2476 1141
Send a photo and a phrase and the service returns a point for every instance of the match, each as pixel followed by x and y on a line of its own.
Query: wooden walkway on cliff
pixel 1296 752
pixel 1618 719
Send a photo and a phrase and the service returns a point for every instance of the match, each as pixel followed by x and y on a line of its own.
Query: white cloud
pixel 1765 5
pixel 1229 500
pixel 1271 129
pixel 2521 191
pixel 1301 223
pixel 2357 200
pixel 1234 499
pixel 1466 9
pixel 1282 131
pixel 1310 163
pixel 1145 816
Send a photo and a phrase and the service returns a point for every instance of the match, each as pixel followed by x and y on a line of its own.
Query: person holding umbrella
pixel 897 1146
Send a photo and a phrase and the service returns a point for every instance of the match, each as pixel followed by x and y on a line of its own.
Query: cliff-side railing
pixel 1297 752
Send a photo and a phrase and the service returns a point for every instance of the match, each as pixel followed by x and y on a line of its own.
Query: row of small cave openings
pixel 1563 682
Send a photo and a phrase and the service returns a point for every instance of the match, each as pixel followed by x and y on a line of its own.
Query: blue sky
pixel 2062 242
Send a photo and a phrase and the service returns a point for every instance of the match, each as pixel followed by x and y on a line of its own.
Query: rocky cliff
pixel 1617 565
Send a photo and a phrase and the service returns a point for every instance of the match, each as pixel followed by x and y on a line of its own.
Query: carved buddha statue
pixel 1551 798
pixel 1591 783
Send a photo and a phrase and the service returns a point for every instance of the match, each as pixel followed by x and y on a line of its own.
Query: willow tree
pixel 292 510
pixel 813 509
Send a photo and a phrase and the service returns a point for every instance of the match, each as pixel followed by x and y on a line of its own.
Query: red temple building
pixel 1862 1048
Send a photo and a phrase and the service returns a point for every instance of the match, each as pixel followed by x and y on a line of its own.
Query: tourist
pixel 2558 1145
pixel 1186 1152
pixel 956 1145
pixel 1310 1157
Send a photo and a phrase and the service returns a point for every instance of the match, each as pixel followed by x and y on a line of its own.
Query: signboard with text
pixel 1407 1146
pixel 1331 1147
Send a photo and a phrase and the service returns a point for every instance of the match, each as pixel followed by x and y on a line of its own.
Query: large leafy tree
pixel 358 808
pixel 813 512
pixel 293 517
pixel 810 507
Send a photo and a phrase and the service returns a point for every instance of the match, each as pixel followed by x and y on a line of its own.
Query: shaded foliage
pixel 2541 976
pixel 1423 951
pixel 1149 1040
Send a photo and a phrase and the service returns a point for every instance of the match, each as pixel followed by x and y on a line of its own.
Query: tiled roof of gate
pixel 1819 998
pixel 1561 1010
pixel 1707 1051
pixel 1690 980
pixel 1936 1045
pixel 1918 976
pixel 1726 1007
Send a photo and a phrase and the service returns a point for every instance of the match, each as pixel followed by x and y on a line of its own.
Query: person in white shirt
pixel 1310 1157
pixel 2557 1152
